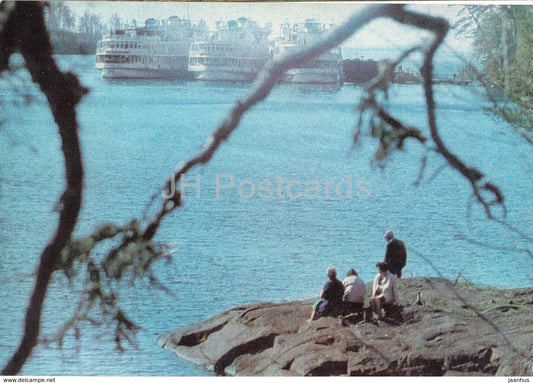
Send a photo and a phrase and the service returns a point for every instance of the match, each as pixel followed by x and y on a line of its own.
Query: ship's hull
pixel 359 71
pixel 311 76
pixel 222 74
pixel 123 71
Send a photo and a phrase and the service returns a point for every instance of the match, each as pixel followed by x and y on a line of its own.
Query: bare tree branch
pixel 267 78
pixel 440 27
pixel 402 132
pixel 25 30
pixel 382 81
pixel 386 74
pixel 262 86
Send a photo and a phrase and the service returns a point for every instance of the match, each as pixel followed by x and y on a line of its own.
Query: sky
pixel 382 33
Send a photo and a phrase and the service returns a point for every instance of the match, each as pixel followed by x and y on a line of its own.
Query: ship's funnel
pixel 150 23
pixel 232 24
pixel 174 20
pixel 312 25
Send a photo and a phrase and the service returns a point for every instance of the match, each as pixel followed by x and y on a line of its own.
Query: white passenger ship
pixel 235 52
pixel 156 51
pixel 323 70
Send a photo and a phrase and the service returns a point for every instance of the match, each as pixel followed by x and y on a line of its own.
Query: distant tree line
pixel 503 42
pixel 71 34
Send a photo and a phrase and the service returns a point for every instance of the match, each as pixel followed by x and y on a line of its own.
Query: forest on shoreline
pixel 77 35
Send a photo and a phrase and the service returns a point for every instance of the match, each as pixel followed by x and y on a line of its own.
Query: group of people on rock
pixel 348 296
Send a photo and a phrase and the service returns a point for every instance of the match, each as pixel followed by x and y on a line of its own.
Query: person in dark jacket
pixel 396 255
pixel 330 301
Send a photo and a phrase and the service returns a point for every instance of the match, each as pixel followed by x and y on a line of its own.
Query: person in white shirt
pixel 354 292
pixel 384 289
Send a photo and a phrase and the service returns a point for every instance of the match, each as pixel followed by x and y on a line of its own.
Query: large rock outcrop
pixel 456 330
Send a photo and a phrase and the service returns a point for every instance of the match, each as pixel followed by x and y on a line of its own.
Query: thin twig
pixel 436 173
pixel 515 230
pixel 463 237
pixel 421 171
pixel 469 306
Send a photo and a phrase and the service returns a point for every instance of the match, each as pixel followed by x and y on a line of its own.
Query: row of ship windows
pixel 109 45
pixel 116 59
pixel 203 49
pixel 221 61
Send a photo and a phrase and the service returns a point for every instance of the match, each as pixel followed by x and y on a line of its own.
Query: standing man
pixel 396 255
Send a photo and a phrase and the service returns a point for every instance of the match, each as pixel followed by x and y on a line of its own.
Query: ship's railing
pixel 133 45
pixel 241 64
pixel 228 49
pixel 283 47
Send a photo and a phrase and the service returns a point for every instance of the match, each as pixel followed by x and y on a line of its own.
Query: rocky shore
pixel 452 330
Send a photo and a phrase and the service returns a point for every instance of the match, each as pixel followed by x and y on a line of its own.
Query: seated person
pixel 384 290
pixel 354 293
pixel 330 302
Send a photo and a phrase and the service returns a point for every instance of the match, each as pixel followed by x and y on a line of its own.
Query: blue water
pixel 233 250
